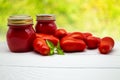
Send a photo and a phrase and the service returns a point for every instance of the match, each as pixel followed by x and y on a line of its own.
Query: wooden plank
pixel 30 73
pixel 87 59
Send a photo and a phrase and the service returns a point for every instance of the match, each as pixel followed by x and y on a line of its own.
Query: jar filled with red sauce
pixel 46 24
pixel 20 34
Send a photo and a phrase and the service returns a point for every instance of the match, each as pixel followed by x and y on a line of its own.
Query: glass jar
pixel 45 24
pixel 20 34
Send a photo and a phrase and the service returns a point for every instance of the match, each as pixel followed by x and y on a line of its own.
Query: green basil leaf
pixel 51 46
pixel 51 51
pixel 59 50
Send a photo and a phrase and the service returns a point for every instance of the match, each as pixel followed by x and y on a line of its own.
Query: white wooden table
pixel 88 65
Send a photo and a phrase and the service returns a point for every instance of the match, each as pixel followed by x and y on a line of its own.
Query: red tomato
pixel 92 42
pixel 106 45
pixel 60 33
pixel 86 34
pixel 41 47
pixel 53 39
pixel 72 44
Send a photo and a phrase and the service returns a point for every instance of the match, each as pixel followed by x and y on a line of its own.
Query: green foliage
pixel 101 17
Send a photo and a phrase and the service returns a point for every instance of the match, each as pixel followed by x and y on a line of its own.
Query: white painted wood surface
pixel 88 65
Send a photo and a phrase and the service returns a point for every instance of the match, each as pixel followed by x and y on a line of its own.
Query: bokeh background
pixel 100 17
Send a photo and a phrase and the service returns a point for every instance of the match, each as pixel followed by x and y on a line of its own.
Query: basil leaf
pixel 59 50
pixel 51 46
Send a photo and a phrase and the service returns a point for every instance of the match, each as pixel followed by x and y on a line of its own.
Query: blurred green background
pixel 100 17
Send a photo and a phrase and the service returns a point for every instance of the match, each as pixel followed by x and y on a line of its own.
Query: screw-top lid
pixel 45 17
pixel 20 20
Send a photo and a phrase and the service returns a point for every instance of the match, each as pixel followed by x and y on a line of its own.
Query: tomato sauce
pixel 20 34
pixel 45 24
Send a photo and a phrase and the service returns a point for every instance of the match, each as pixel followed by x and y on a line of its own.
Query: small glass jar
pixel 20 34
pixel 45 24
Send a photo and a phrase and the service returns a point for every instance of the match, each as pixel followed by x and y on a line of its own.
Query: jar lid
pixel 45 17
pixel 20 20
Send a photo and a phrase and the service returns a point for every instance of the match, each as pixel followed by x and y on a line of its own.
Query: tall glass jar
pixel 20 34
pixel 45 24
